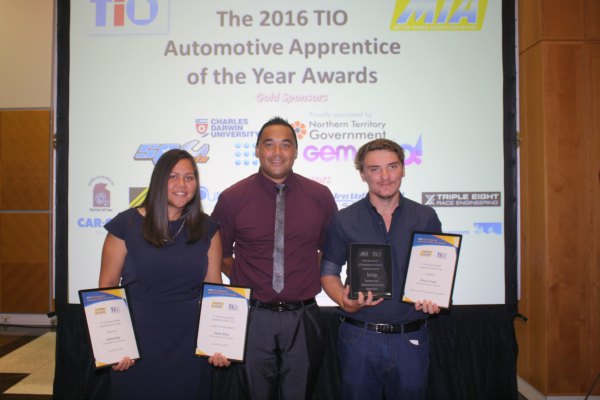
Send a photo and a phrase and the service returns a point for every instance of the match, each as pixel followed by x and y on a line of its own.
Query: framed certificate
pixel 109 325
pixel 370 269
pixel 432 268
pixel 223 325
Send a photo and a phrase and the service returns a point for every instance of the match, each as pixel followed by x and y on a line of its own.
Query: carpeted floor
pixel 27 365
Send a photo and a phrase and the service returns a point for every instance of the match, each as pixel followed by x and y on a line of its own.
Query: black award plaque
pixel 370 269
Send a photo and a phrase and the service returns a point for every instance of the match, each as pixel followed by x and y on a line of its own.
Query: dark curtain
pixel 473 356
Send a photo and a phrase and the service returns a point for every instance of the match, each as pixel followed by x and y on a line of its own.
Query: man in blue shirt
pixel 383 344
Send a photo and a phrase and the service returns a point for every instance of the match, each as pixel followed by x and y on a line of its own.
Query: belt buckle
pixel 382 328
pixel 280 306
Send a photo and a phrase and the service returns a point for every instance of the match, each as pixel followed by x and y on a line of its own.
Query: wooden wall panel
pixel 25 139
pixel 541 20
pixel 529 24
pixel 25 211
pixel 24 263
pixel 21 289
pixel 531 335
pixel 559 346
pixel 562 20
pixel 592 19
pixel 593 182
pixel 569 244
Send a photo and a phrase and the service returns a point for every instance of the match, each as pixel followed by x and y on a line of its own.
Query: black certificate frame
pixel 82 298
pixel 449 293
pixel 355 274
pixel 226 292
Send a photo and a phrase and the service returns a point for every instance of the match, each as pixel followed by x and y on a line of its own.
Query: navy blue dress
pixel 164 287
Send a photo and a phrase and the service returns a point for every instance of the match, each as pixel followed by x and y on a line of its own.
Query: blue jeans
pixel 383 366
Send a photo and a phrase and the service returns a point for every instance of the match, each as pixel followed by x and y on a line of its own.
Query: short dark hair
pixel 156 222
pixel 277 121
pixel 377 144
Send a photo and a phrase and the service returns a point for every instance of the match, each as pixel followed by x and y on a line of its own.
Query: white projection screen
pixel 148 76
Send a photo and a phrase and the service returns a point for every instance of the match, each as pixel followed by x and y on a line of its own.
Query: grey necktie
pixel 278 239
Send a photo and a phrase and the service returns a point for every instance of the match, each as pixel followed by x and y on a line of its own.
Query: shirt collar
pixel 370 206
pixel 269 185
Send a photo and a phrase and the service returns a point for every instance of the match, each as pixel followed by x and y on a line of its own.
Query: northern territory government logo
pixel 439 15
pixel 224 128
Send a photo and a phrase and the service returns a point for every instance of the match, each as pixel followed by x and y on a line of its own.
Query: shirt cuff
pixel 330 268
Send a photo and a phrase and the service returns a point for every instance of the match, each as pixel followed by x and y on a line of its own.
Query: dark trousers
pixel 283 354
pixel 383 366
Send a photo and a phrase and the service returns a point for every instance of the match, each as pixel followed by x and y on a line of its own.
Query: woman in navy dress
pixel 162 252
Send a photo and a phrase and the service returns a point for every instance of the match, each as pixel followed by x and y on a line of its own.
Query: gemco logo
pixel 413 154
pixel 130 16
pixel 447 15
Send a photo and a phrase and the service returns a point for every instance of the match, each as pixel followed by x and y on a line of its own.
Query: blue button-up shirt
pixel 361 223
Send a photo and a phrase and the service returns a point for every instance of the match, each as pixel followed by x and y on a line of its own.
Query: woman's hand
pixel 219 360
pixel 124 364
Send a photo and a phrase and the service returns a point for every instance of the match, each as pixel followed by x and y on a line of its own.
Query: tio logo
pixel 138 12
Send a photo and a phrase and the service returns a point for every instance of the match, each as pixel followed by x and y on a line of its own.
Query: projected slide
pixel 148 76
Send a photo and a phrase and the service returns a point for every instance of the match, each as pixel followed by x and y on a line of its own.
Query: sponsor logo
pixel 446 15
pixel 100 193
pixel 115 310
pixel 202 127
pixel 137 195
pixel 461 199
pixel 100 310
pixel 352 197
pixel 300 129
pixel 425 253
pixel 245 155
pixel 323 180
pixel 329 153
pixel 488 228
pixel 224 128
pixel 233 307
pixel 153 151
pixel 207 195
pixel 84 222
pixel 346 130
pixel 217 304
pixel 112 17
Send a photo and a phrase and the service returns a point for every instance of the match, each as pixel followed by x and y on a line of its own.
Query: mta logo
pixel 438 15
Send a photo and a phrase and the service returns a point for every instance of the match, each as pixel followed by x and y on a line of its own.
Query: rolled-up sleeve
pixel 334 249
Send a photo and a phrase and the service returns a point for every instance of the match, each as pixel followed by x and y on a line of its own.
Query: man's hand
pixel 427 306
pixel 353 306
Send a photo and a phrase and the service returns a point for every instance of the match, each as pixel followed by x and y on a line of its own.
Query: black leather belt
pixel 282 305
pixel 386 328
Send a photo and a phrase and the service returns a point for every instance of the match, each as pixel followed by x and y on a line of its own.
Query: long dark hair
pixel 156 222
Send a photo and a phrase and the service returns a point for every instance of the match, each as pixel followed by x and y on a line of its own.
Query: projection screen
pixel 148 76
